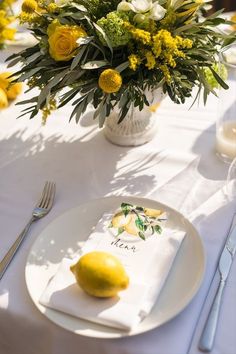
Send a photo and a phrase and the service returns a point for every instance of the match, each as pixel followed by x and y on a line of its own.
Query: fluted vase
pixel 138 127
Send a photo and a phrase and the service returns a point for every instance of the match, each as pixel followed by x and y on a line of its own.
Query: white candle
pixel 226 139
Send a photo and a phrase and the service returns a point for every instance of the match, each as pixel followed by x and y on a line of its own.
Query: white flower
pixel 157 12
pixel 142 6
pixel 125 6
pixel 137 6
pixel 151 9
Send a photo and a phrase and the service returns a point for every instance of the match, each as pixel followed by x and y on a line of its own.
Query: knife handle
pixel 209 331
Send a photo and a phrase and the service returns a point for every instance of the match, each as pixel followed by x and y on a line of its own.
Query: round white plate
pixel 62 238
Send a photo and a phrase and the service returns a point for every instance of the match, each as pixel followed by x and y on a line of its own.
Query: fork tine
pixel 49 196
pixel 52 195
pixel 45 200
pixel 43 196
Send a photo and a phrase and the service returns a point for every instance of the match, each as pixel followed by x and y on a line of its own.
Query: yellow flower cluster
pixel 6 18
pixel 52 7
pixel 110 81
pixel 167 47
pixel 134 61
pixel 30 12
pixel 151 61
pixel 6 4
pixel 158 50
pixel 8 90
pixel 138 34
pixel 47 110
pixel 6 33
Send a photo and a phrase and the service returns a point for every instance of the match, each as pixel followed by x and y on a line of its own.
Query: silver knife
pixel 225 262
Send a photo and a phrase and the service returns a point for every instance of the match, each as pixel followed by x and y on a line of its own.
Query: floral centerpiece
pixel 111 53
pixel 6 18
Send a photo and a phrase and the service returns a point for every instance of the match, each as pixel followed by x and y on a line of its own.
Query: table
pixel 86 166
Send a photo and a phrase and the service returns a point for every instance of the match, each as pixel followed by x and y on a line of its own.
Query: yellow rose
pixel 3 99
pixel 11 90
pixel 62 40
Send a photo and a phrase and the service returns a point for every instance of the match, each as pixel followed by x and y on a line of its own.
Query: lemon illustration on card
pixel 137 221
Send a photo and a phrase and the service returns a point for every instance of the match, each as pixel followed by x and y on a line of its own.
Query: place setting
pixel 128 248
pixel 131 237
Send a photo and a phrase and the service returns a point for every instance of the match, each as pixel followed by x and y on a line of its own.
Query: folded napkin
pixel 147 263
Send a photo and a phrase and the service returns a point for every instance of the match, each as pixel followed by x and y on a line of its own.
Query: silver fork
pixel 42 208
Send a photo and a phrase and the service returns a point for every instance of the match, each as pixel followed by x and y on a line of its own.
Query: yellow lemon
pixel 154 213
pixel 100 274
pixel 131 227
pixel 3 99
pixel 120 220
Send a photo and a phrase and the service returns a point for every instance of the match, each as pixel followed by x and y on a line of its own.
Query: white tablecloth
pixel 86 166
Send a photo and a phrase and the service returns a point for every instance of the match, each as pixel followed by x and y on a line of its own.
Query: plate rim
pixel 121 334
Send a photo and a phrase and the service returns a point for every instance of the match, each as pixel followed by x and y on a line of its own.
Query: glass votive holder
pixel 231 181
pixel 226 120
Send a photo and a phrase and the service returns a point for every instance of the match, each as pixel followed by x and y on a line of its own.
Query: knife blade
pixel 227 254
pixel 225 262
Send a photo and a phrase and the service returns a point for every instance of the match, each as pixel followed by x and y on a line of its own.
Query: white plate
pixel 62 238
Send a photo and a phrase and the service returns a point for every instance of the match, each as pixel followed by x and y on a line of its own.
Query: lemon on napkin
pixel 100 274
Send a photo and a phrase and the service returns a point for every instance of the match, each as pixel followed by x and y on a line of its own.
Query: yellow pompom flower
pixel 3 99
pixel 110 81
pixel 12 90
pixel 31 12
pixel 62 40
pixel 29 6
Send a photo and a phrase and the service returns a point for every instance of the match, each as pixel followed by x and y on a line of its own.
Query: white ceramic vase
pixel 138 127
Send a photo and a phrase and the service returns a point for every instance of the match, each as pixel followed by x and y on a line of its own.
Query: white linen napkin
pixel 146 262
